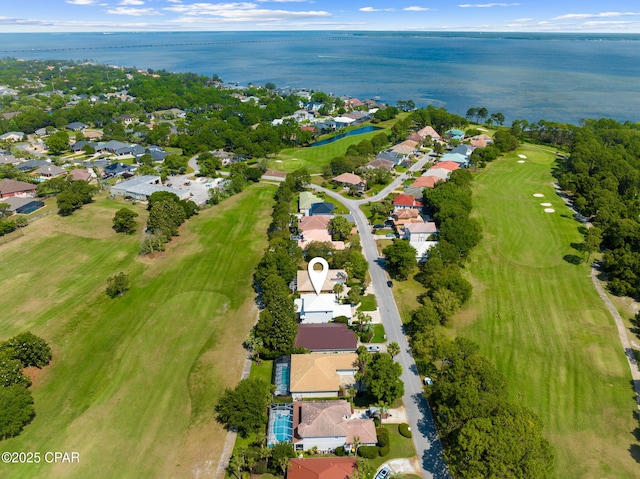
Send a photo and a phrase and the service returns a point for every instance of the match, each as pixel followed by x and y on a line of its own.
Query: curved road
pixel 422 424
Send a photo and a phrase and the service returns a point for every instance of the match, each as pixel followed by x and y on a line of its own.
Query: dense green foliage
pixel 117 285
pixel 400 258
pixel 244 408
pixel 16 404
pixel 382 378
pixel 73 195
pixel 405 430
pixel 124 221
pixel 602 174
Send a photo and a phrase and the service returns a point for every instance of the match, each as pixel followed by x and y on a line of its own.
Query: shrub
pixel 376 422
pixel 383 451
pixel 383 436
pixel 117 285
pixel 340 451
pixel 404 430
pixel 341 319
pixel 368 452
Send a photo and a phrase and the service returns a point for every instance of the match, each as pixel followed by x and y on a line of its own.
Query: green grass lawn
pixel 400 446
pixel 540 320
pixel 368 303
pixel 379 335
pixel 262 371
pixel 314 158
pixel 134 380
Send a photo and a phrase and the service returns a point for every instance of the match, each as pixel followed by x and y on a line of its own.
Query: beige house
pixel 319 375
pixel 334 276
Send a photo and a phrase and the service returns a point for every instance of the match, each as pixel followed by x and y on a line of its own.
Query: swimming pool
pixel 280 427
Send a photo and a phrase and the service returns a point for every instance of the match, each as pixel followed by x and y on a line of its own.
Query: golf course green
pixel 134 380
pixel 536 314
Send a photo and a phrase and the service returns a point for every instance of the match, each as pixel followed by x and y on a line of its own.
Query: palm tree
pixel 338 288
pixel 393 349
pixel 356 444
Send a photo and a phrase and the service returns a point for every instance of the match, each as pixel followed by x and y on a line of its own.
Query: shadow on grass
pixel 572 259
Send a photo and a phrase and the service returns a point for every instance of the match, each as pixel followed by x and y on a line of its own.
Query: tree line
pixel 16 403
pixel 602 177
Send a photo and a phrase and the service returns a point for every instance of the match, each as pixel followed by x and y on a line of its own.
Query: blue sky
pixel 617 16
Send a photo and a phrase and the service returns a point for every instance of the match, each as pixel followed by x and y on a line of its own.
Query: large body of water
pixel 555 77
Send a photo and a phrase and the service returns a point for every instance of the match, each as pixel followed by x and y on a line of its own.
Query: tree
pixel 16 410
pixel 57 142
pixel 11 372
pixel 482 113
pixel 124 221
pixel 472 113
pixel 165 217
pixel 244 407
pixel 592 241
pixel 400 258
pixel 498 118
pixel 27 348
pixel 383 378
pixel 393 349
pixel 117 285
pixel 340 228
pixel 281 453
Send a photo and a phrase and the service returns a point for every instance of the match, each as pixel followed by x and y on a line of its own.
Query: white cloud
pixel 131 2
pixel 610 22
pixel 371 9
pixel 487 5
pixel 238 12
pixel 581 16
pixel 416 9
pixel 81 2
pixel 524 20
pixel 174 1
pixel 134 12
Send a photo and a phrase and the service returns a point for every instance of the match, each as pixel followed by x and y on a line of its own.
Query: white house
pixel 320 308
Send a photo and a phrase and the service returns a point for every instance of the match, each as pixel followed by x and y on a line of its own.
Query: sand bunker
pixel 538 195
pixel 545 204
pixel 549 210
pixel 520 161
pixel 278 161
pixel 522 156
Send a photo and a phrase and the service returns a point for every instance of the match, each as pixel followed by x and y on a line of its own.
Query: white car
pixel 373 349
pixel 383 473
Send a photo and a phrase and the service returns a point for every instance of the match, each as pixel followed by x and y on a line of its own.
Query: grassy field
pixel 134 380
pixel 314 158
pixel 539 318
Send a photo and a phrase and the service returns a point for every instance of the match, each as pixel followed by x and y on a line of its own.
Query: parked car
pixel 383 473
pixel 390 283
pixel 373 348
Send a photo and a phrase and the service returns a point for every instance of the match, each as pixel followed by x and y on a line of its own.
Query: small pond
pixel 357 131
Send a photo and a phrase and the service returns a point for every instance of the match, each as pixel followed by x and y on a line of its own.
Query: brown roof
pixel 8 187
pixel 80 174
pixel 429 131
pixel 326 337
pixel 406 214
pixel 348 178
pixel 322 468
pixel 381 163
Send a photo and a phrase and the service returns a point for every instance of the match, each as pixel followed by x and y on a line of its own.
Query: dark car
pixel 390 283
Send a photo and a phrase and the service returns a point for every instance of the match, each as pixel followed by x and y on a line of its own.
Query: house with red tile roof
pixel 406 202
pixel 448 165
pixel 426 182
pixel 10 187
pixel 322 468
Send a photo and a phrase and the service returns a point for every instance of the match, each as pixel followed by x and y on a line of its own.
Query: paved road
pixel 422 424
